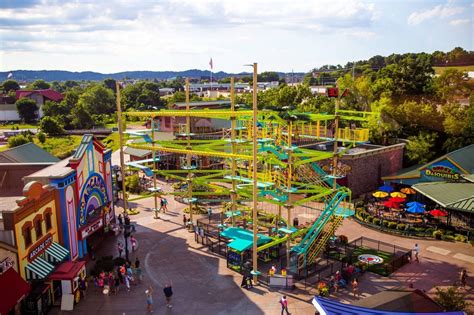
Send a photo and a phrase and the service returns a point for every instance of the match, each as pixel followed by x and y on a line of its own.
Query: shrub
pixel 451 299
pixel 448 238
pixel 51 126
pixel 41 137
pixel 19 140
pixel 460 238
pixel 196 210
pixel 401 227
pixel 438 234
pixel 369 218
pixel 133 183
pixel 376 221
pixel 392 225
pixel 449 232
pixel 385 223
pixel 430 231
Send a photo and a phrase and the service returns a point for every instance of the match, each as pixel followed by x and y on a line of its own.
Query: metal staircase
pixel 318 246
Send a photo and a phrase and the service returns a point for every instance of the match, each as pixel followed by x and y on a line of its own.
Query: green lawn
pixel 62 146
pixel 379 268
pixel 440 70
pixel 20 126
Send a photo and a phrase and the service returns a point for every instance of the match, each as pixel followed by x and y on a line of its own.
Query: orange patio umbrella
pixel 398 194
pixel 380 194
pixel 408 191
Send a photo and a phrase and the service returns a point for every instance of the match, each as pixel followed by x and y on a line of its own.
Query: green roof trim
pixel 28 153
pixel 456 196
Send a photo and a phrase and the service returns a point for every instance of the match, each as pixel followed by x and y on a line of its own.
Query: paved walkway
pixel 202 283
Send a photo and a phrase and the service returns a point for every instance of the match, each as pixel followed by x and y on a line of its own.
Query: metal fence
pixel 400 255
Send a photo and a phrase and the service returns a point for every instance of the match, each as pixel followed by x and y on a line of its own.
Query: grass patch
pixel 112 141
pixel 441 70
pixel 20 126
pixel 379 268
pixel 61 147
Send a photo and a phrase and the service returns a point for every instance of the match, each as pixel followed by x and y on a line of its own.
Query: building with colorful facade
pixel 84 184
pixel 44 235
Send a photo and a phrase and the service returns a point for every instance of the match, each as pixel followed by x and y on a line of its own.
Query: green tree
pixel 81 117
pixel 451 84
pixel 55 109
pixel 69 84
pixel 19 140
pixel 451 299
pixel 419 147
pixel 51 126
pixel 268 76
pixel 10 85
pixel 111 84
pixel 39 85
pixel 27 109
pixel 41 137
pixel 97 99
pixel 57 86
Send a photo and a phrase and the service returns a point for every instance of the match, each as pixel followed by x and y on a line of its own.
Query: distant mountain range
pixel 58 75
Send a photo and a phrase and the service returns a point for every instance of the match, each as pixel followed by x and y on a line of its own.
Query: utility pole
pixel 122 163
pixel 255 190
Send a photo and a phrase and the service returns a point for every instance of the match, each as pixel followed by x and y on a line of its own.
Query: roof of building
pixel 13 288
pixel 458 196
pixel 60 169
pixel 48 93
pixel 400 300
pixel 463 158
pixel 328 306
pixel 202 104
pixel 27 153
pixel 136 152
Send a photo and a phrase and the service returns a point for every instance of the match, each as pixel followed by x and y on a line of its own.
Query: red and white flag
pixel 211 64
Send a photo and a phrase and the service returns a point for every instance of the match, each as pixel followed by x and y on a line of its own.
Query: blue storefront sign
pixel 443 170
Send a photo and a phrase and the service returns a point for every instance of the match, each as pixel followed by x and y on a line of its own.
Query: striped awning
pixel 56 253
pixel 38 269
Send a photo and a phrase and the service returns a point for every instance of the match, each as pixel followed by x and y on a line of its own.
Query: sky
pixel 281 35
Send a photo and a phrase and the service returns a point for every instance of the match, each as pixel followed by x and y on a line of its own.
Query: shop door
pixel 57 292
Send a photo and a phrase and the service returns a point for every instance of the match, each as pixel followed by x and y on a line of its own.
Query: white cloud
pixel 460 22
pixel 439 11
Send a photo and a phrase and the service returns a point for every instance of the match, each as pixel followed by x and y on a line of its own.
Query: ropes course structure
pixel 287 174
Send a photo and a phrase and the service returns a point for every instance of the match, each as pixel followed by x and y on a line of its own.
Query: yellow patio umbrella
pixel 380 194
pixel 408 191
pixel 398 194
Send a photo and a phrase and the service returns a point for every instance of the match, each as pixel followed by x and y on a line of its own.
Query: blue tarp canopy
pixel 243 239
pixel 327 306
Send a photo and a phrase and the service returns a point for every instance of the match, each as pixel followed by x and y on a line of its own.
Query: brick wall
pixel 369 167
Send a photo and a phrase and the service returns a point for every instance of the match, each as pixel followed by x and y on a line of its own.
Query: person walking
pixel 463 278
pixel 355 287
pixel 133 241
pixel 165 204
pixel 120 221
pixel 83 287
pixel 209 213
pixel 416 250
pixel 149 300
pixel 185 220
pixel 120 249
pixel 168 291
pixel 284 305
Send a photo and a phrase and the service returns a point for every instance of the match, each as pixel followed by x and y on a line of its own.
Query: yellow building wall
pixel 22 251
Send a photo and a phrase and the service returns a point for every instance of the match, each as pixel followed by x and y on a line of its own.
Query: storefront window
pixel 38 228
pixel 27 235
pixel 47 219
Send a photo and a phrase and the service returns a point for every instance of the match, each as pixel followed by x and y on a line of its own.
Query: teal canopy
pixel 243 239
